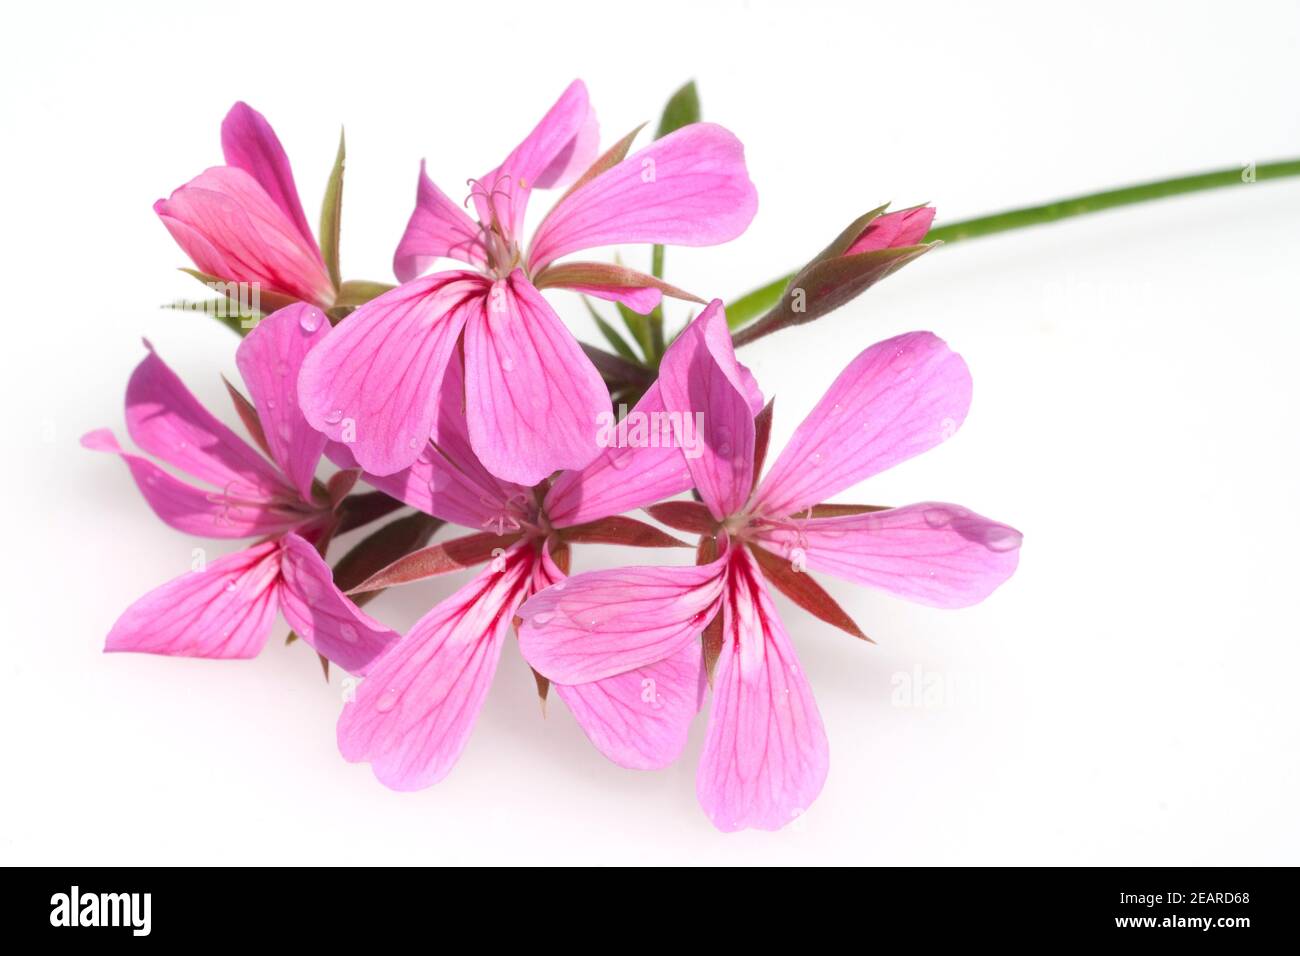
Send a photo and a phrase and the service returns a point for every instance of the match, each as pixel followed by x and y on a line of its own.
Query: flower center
pixel 495 205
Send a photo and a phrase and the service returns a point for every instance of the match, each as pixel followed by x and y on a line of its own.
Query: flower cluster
pixel 460 394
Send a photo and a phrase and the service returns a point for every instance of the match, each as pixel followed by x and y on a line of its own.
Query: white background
pixel 1130 695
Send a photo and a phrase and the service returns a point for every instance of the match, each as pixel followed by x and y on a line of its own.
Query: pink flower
pixel 532 395
pixel 243 222
pixel 226 608
pixel 414 712
pixel 765 756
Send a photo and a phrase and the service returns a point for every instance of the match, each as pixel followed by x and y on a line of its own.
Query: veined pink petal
pixel 414 712
pixel 937 554
pixel 636 468
pixel 165 419
pixel 197 511
pixel 688 189
pixel 321 615
pixel 447 480
pixel 269 359
pixel 765 754
pixel 699 376
pixel 640 719
pixel 373 384
pixel 534 399
pixel 897 399
pixel 558 149
pixel 249 143
pixel 438 228
pixel 603 623
pixel 224 610
pixel 252 238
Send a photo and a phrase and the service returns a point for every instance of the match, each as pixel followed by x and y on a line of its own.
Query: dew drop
pixel 349 634
pixel 815 458
pixel 388 700
pixel 413 444
pixel 507 364
pixel 310 320
pixel 544 618
pixel 836 408
pixel 334 417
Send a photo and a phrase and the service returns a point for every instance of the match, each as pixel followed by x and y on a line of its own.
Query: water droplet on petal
pixel 836 408
pixel 815 458
pixel 507 364
pixel 543 618
pixel 388 700
pixel 310 320
pixel 334 417
pixel 413 444
pixel 349 634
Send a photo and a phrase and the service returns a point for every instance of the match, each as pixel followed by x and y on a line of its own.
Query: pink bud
pixel 907 227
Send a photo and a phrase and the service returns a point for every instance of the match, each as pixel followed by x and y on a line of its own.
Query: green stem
pixel 754 303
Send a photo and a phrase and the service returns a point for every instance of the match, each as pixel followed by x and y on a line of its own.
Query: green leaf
pixel 753 304
pixel 638 325
pixel 610 333
pixel 683 108
pixel 331 216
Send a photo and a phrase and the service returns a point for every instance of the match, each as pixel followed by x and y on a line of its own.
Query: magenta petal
pixel 447 480
pixel 224 610
pixel 897 399
pixel 414 711
pixel 373 384
pixel 603 623
pixel 533 397
pixel 321 615
pixel 933 553
pixel 688 189
pixel 559 148
pixel 765 754
pixel 249 143
pixel 197 511
pixel 269 359
pixel 641 300
pixel 438 228
pixel 245 236
pixel 640 719
pixel 165 419
pixel 699 376
pixel 625 476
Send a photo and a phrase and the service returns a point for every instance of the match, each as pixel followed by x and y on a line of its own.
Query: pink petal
pixel 897 399
pixel 624 476
pixel 269 359
pixel 414 712
pixel 197 511
pixel 688 189
pixel 438 228
pixel 533 397
pixel 937 554
pixel 699 376
pixel 447 480
pixel 603 623
pixel 374 382
pixel 558 149
pixel 165 419
pixel 641 300
pixel 321 615
pixel 249 143
pixel 765 754
pixel 225 610
pixel 244 236
pixel 640 719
